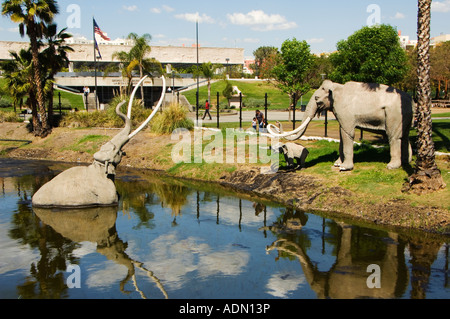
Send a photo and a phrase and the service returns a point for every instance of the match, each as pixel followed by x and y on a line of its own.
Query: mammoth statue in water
pixel 373 107
pixel 93 185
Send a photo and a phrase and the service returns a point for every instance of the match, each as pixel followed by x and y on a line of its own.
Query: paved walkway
pixel 272 116
pixel 247 116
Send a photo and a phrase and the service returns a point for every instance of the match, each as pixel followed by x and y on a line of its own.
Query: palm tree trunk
pixel 427 177
pixel 141 74
pixel 44 128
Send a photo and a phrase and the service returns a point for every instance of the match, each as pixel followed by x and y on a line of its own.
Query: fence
pixel 294 108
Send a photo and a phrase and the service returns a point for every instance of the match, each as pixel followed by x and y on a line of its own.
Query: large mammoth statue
pixel 373 107
pixel 93 185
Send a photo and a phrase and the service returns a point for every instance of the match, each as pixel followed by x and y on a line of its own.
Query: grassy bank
pixel 253 95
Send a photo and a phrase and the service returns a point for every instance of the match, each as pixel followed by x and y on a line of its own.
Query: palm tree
pixel 128 65
pixel 137 58
pixel 208 69
pixel 139 52
pixel 427 177
pixel 18 74
pixel 54 58
pixel 32 16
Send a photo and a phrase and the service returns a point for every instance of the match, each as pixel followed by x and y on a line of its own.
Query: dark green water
pixel 171 239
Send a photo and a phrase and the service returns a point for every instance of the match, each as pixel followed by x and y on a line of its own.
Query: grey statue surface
pixel 93 185
pixel 373 107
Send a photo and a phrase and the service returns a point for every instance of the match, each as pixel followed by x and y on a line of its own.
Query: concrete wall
pixel 168 54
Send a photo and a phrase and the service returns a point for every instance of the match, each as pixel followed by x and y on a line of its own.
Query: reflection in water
pixel 96 225
pixel 356 249
pixel 223 247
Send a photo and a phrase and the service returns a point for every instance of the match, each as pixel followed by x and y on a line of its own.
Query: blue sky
pixel 245 24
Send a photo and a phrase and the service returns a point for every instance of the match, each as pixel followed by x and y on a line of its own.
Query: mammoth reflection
pixel 97 225
pixel 354 250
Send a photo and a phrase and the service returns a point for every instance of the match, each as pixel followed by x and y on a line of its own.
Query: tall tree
pixel 292 71
pixel 440 66
pixel 33 16
pixel 261 55
pixel 427 177
pixel 371 54
pixel 137 57
pixel 208 70
pixel 54 58
pixel 18 75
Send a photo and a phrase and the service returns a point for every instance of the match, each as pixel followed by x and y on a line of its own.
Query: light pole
pixel 228 71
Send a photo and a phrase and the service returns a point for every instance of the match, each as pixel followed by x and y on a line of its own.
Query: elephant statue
pixel 93 185
pixel 372 107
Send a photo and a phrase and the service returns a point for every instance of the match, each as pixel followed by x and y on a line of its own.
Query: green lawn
pixel 69 101
pixel 253 95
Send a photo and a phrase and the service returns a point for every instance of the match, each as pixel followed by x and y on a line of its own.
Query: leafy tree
pixel 427 176
pixel 409 81
pixel 261 55
pixel 33 16
pixel 371 54
pixel 293 69
pixel 440 66
pixel 321 70
pixel 267 65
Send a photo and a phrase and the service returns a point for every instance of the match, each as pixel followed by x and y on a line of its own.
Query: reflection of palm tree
pixel 97 225
pixel 46 279
pixel 173 196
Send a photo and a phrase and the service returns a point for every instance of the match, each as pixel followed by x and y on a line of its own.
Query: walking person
pixel 207 111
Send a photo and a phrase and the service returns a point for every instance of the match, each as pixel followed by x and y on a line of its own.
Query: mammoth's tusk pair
pixel 275 132
pixel 154 111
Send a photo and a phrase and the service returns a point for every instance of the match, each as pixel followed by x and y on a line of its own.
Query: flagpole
pixel 95 63
pixel 196 35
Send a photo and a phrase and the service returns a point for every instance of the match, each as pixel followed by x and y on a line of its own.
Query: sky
pixel 244 24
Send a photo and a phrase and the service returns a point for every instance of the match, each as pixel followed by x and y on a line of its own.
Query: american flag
pixel 98 31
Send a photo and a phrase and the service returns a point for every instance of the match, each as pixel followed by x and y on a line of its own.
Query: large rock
pixel 83 186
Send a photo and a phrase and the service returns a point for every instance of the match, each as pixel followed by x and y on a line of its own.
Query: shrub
pixel 172 117
pixel 8 116
pixel 107 118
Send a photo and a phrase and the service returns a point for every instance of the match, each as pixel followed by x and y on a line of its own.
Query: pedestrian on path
pixel 207 111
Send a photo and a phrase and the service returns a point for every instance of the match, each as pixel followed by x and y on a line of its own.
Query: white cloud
pixel 130 8
pixel 167 8
pixel 260 21
pixel 163 8
pixel 315 40
pixel 14 29
pixel 440 6
pixel 193 17
pixel 399 15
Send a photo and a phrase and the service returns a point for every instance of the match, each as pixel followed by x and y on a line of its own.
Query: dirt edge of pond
pixel 295 189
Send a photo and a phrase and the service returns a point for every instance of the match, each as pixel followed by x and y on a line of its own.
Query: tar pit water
pixel 176 239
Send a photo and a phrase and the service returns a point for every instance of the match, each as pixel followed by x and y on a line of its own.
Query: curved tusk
pixel 299 129
pixel 133 94
pixel 154 111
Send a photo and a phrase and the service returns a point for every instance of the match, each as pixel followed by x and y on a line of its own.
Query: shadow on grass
pixel 362 153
